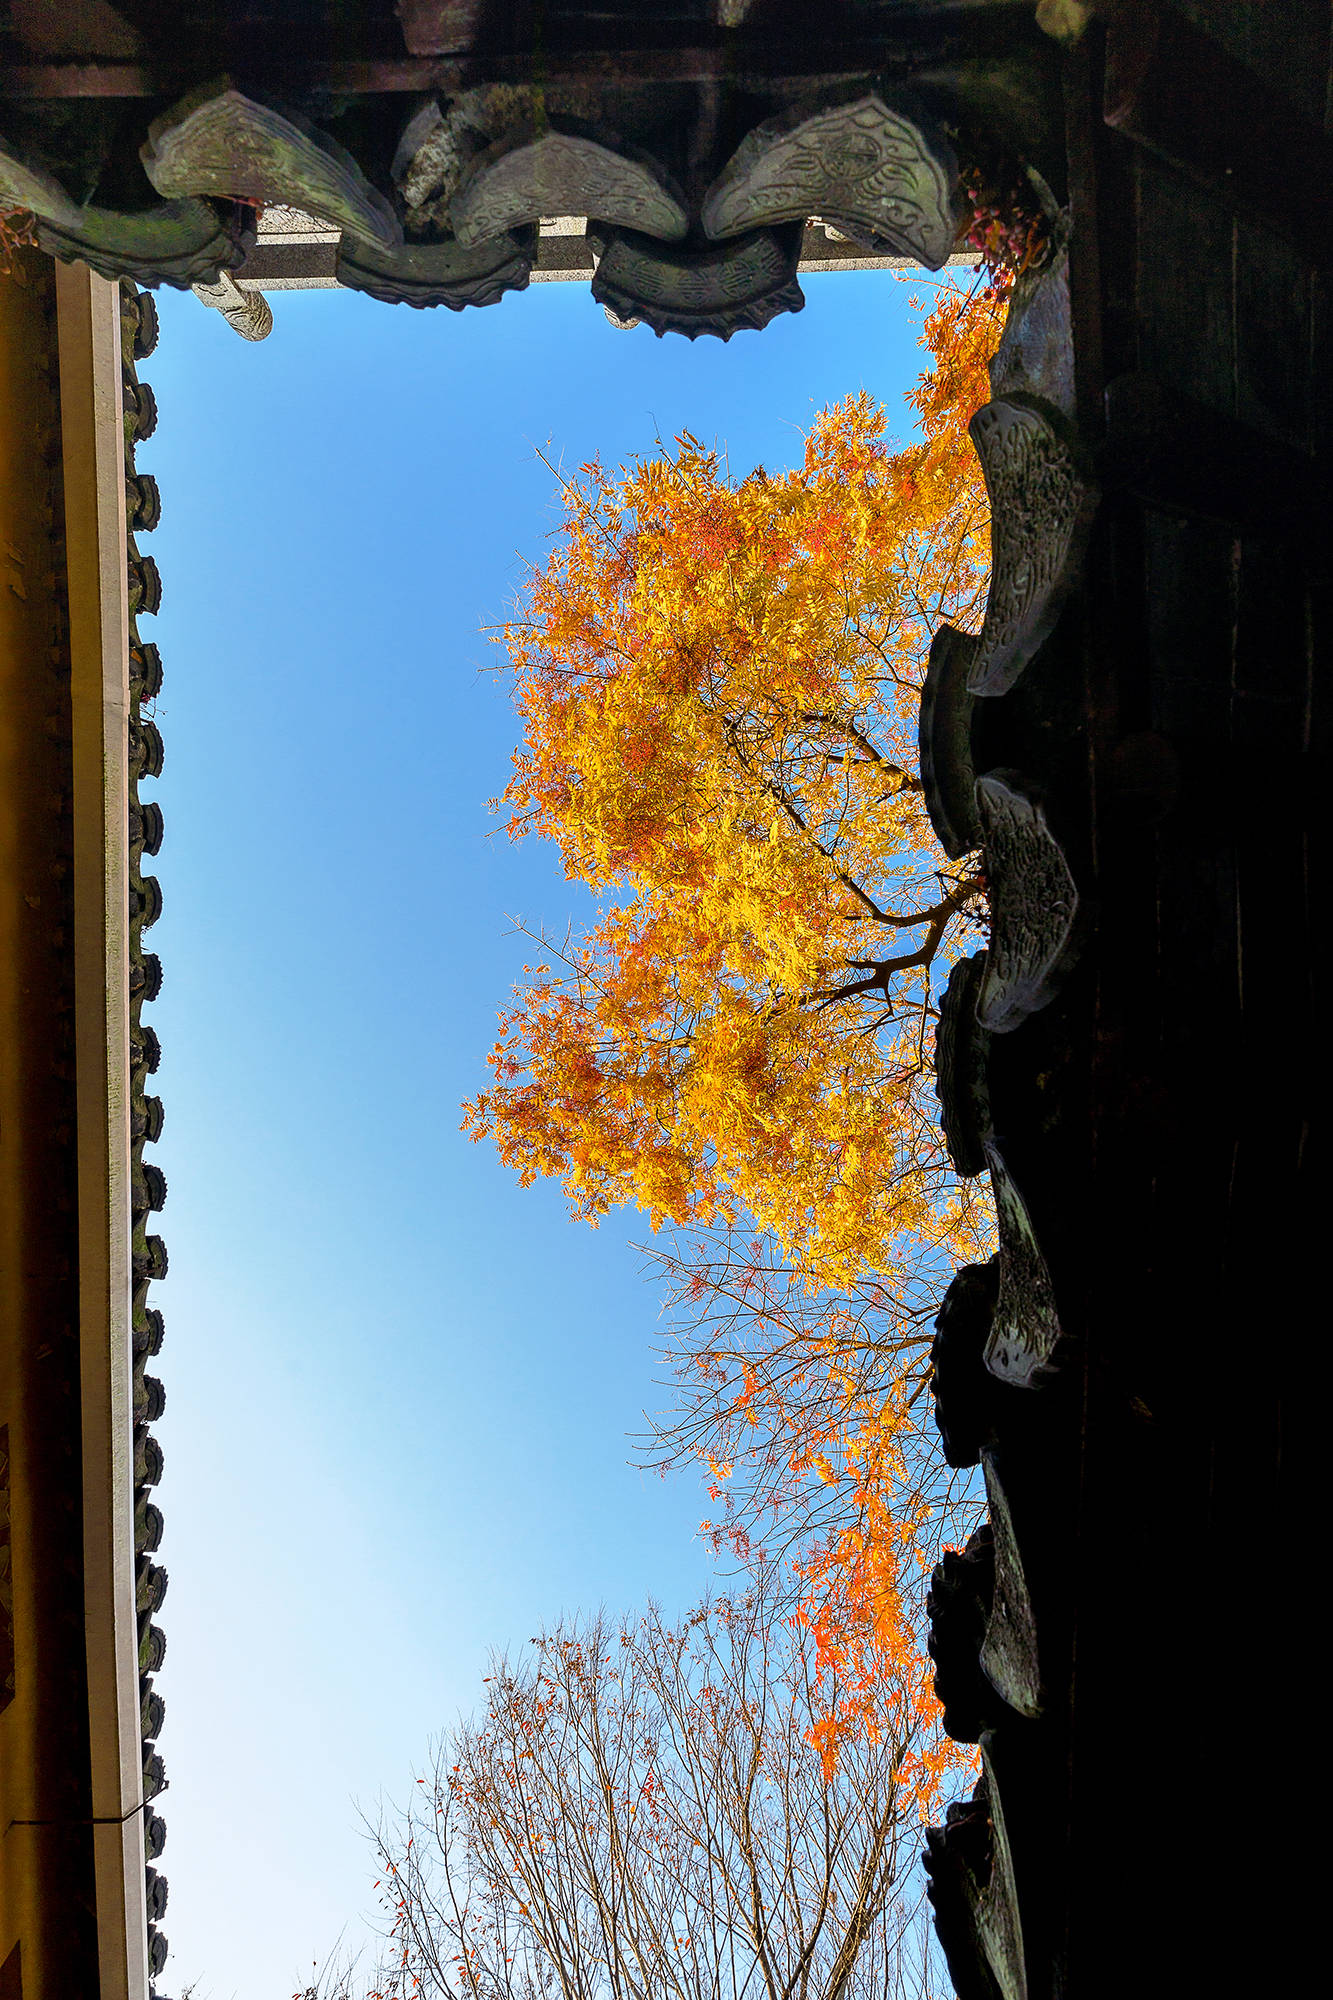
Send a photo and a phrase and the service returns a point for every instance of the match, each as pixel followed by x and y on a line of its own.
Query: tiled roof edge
pixel 148 1187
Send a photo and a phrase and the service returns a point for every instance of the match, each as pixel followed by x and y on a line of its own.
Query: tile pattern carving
pixel 1042 504
pixel 1034 903
pixel 1009 1650
pixel 877 172
pixel 559 173
pixel 1026 1327
pixel 222 143
pixel 439 274
pixel 740 284
pixel 999 1336
pixel 176 243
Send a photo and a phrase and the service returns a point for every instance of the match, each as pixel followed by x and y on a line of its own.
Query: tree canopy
pixel 719 682
pixel 641 1809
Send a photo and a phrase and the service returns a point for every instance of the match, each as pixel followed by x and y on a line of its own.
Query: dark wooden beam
pixel 407 74
pixel 642 52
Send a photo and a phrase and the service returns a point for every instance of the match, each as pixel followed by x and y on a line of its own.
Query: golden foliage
pixel 719 684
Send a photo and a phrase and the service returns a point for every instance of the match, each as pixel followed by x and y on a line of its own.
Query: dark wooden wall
pixel 46 1846
pixel 1163 1116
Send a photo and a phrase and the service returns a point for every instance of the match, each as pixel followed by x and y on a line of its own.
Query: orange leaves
pixel 718 683
pixel 718 688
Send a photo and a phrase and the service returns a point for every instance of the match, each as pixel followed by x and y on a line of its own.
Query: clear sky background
pixel 399 1387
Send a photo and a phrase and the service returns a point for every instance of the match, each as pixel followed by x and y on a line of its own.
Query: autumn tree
pixel 809 1406
pixel 718 684
pixel 641 1810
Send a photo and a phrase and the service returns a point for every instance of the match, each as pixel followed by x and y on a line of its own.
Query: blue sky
pixel 399 1386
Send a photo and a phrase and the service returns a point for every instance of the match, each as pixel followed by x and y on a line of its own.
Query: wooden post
pixel 92 438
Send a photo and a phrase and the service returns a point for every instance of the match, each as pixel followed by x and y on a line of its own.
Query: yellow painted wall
pixel 46 1870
